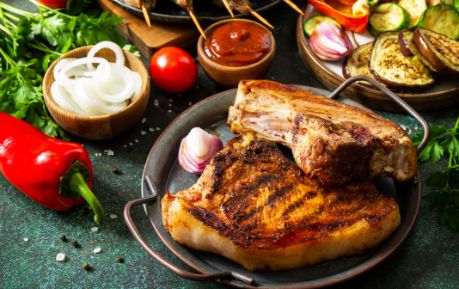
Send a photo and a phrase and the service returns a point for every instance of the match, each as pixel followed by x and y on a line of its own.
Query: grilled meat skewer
pixel 188 6
pixel 243 6
pixel 145 5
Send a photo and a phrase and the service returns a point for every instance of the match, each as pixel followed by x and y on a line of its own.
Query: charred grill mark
pixel 271 199
pixel 292 207
pixel 208 218
pixel 243 217
pixel 278 194
pixel 238 203
pixel 221 162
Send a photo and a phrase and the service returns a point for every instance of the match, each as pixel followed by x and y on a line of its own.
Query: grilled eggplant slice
pixel 405 39
pixel 388 64
pixel 441 51
pixel 443 19
pixel 357 62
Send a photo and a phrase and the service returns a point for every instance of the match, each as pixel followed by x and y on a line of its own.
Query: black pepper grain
pixel 117 171
pixel 119 259
pixel 75 244
pixel 64 238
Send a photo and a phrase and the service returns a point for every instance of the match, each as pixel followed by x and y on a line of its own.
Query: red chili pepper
pixel 341 11
pixel 55 173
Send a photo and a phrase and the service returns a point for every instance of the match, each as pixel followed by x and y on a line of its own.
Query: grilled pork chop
pixel 331 141
pixel 255 207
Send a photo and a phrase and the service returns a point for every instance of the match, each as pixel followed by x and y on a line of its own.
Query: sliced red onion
pixel 329 42
pixel 197 149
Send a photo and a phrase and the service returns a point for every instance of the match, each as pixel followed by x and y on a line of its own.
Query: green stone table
pixel 429 258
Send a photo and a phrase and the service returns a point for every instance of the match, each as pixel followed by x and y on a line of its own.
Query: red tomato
pixel 54 3
pixel 173 70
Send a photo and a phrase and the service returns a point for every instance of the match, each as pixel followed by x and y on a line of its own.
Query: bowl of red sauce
pixel 236 49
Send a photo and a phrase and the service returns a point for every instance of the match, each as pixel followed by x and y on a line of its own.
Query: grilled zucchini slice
pixel 443 19
pixel 388 17
pixel 357 62
pixel 389 65
pixel 415 9
pixel 439 50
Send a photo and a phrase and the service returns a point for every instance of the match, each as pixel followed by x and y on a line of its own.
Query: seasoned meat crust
pixel 330 141
pixel 255 207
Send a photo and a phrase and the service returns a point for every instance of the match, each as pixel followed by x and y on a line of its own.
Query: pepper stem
pixel 78 185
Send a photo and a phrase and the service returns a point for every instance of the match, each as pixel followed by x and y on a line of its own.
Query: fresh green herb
pixel 30 42
pixel 444 184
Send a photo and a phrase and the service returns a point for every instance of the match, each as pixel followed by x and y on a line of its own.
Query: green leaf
pixel 453 146
pixel 437 153
pixel 425 153
pixel 93 30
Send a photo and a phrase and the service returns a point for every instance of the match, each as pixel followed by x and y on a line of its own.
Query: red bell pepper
pixel 55 173
pixel 352 18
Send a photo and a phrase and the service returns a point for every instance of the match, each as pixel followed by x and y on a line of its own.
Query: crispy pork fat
pixel 255 207
pixel 330 141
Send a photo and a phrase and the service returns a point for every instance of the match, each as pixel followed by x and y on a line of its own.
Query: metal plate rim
pixel 366 265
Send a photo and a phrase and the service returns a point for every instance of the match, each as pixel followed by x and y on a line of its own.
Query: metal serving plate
pixel 168 12
pixel 163 174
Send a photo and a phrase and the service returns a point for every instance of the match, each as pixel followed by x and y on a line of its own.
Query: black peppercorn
pixel 75 244
pixel 117 171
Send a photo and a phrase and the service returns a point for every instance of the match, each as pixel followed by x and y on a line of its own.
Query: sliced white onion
pixel 85 92
pixel 119 87
pixel 102 72
pixel 119 55
pixel 82 88
pixel 63 99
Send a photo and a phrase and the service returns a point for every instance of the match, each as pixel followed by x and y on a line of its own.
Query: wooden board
pixel 149 39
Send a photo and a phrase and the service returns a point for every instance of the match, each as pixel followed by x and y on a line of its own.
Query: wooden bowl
pixel 229 76
pixel 105 126
pixel 441 95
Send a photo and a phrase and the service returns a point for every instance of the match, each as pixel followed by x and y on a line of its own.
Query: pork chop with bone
pixel 331 141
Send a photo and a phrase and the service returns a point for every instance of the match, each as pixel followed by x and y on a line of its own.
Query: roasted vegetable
pixel 389 65
pixel 388 17
pixel 415 9
pixel 311 23
pixel 52 172
pixel 357 62
pixel 441 51
pixel 350 15
pixel 405 39
pixel 443 19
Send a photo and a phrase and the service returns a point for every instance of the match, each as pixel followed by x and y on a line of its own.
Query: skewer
pixel 259 17
pixel 293 5
pixel 146 16
pixel 228 7
pixel 196 23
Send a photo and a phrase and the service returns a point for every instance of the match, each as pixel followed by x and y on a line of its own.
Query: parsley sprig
pixel 30 42
pixel 443 185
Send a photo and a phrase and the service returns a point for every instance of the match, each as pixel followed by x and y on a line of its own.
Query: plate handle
pixel 391 95
pixel 181 272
